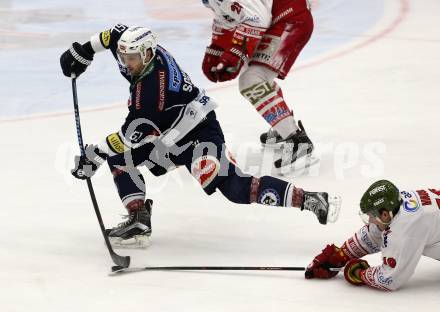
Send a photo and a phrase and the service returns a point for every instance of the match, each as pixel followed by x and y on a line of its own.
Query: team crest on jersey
pixel 411 205
pixel 269 197
pixel 410 202
pixel 205 169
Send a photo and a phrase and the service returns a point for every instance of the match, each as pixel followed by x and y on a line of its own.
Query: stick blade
pixel 120 260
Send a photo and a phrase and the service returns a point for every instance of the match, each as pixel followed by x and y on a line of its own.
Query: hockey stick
pixel 118 270
pixel 121 261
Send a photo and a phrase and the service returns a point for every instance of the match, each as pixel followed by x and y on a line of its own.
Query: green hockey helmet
pixel 381 195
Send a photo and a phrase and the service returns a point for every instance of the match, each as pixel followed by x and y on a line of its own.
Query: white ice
pixel 366 88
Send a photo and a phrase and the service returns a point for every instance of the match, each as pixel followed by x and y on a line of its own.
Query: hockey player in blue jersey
pixel 170 123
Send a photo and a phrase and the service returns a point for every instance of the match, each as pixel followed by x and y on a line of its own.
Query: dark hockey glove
pixel 210 61
pixel 230 63
pixel 330 257
pixel 86 166
pixel 76 59
pixel 353 271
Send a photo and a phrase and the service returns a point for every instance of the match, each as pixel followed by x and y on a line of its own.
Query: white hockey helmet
pixel 137 39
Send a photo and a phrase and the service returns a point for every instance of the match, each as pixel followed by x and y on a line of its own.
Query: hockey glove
pixel 353 269
pixel 76 59
pixel 330 257
pixel 86 166
pixel 230 63
pixel 210 61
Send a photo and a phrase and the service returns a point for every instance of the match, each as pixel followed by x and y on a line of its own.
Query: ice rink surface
pixel 366 88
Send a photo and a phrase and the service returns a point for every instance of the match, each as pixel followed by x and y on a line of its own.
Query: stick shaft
pixel 117 259
pixel 224 268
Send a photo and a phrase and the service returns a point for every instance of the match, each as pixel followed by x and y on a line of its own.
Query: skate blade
pixel 136 242
pixel 298 165
pixel 274 146
pixel 335 203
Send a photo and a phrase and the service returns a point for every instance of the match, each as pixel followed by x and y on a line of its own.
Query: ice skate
pixel 297 146
pixel 326 209
pixel 135 232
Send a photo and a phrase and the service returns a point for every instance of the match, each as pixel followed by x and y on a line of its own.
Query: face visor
pixel 128 58
pixel 373 217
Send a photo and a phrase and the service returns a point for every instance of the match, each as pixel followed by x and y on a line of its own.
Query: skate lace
pixel 271 134
pixel 129 220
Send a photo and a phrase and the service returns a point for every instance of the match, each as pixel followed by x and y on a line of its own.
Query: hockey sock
pixel 130 184
pixel 271 191
pixel 270 104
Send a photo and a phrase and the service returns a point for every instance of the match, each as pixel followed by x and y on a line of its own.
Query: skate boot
pixel 271 139
pixel 134 232
pixel 317 202
pixel 295 146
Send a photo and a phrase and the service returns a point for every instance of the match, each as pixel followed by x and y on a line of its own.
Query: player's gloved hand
pixel 230 63
pixel 330 257
pixel 75 60
pixel 86 166
pixel 352 271
pixel 210 61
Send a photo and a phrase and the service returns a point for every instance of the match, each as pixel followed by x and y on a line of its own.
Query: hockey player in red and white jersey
pixel 268 36
pixel 403 225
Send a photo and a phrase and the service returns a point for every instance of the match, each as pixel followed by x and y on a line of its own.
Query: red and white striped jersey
pixel 413 232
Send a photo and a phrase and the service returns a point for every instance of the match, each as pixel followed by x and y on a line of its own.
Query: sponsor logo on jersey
pixel 174 74
pixel 365 238
pixel 161 97
pixel 385 237
pixel 384 280
pixel 115 143
pixel 138 95
pixel 253 18
pixel 205 169
pixel 105 38
pixel 269 197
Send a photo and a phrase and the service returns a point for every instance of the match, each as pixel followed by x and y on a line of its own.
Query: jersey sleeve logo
pixel 205 169
pixel 105 38
pixel 115 143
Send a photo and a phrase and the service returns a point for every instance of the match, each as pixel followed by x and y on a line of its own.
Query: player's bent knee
pixel 237 189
